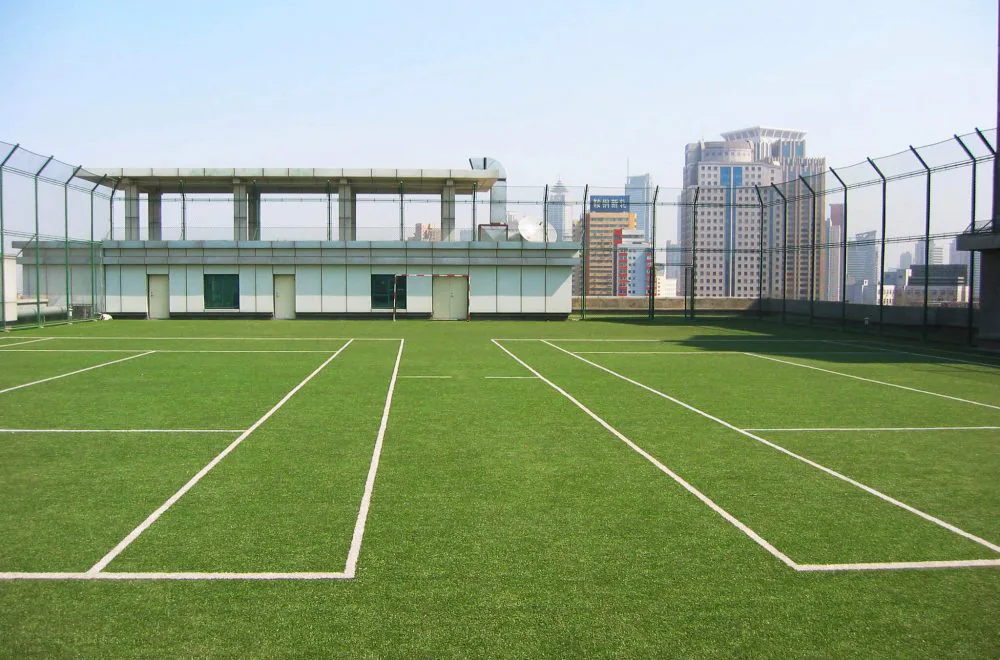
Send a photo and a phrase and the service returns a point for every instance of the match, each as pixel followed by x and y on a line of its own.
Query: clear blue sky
pixel 570 89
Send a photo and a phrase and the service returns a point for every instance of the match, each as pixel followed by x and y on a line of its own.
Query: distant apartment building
pixel 639 190
pixel 597 233
pixel 632 262
pixel 729 240
pixel 947 285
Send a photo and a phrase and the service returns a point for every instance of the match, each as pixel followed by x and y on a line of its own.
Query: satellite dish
pixel 534 230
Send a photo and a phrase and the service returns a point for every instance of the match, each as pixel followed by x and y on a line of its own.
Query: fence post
pixel 69 283
pixel 93 252
pixel 111 208
pixel 3 283
pixel 970 329
pixel 881 272
pixel 694 249
pixel 545 213
pixel 843 256
pixel 184 214
pixel 812 249
pixel 38 253
pixel 402 225
pixel 475 229
pixel 760 258
pixel 927 241
pixel 584 237
pixel 329 211
pixel 784 249
pixel 651 278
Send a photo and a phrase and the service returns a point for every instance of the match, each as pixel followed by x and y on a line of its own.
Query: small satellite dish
pixel 534 230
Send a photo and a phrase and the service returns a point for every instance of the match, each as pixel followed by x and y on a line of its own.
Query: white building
pixel 632 262
pixel 557 212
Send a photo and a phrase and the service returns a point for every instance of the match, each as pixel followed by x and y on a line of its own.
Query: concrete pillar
pixel 989 298
pixel 253 215
pixel 347 204
pixel 239 210
pixel 131 210
pixel 155 215
pixel 448 211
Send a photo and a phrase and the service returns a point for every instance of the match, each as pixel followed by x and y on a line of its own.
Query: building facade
pixel 596 233
pixel 632 263
pixel 639 189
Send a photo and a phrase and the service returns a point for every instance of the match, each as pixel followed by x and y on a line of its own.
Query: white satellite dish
pixel 534 230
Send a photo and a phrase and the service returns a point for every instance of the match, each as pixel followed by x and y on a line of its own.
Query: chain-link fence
pixel 779 235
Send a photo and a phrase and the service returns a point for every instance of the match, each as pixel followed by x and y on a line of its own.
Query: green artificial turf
pixel 504 520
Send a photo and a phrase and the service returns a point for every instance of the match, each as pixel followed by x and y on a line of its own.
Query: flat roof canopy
pixel 295 180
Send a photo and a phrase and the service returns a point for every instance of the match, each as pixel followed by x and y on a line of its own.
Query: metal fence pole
pixel 585 224
pixel 111 208
pixel 402 218
pixel 843 256
pixel 38 253
pixel 184 215
pixel 3 282
pixel 970 329
pixel 881 272
pixel 927 241
pixel 69 283
pixel 93 252
pixel 475 229
pixel 812 250
pixel 694 249
pixel 545 213
pixel 784 250
pixel 329 211
pixel 760 258
pixel 651 278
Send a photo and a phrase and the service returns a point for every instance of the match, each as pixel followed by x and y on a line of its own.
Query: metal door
pixel 157 296
pixel 284 296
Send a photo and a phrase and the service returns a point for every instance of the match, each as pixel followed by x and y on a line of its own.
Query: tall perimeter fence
pixel 802 242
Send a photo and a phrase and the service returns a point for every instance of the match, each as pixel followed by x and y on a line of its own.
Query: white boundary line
pixel 435 377
pixel 511 377
pixel 757 538
pixel 78 371
pixel 833 473
pixel 121 430
pixel 668 341
pixel 172 576
pixel 359 526
pixel 154 338
pixel 883 428
pixel 872 380
pixel 159 350
pixel 881 348
pixel 153 517
pixel 19 343
pixel 897 565
pixel 735 351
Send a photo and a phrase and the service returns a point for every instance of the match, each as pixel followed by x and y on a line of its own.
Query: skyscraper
pixel 862 268
pixel 834 254
pixel 639 190
pixel 905 260
pixel 937 254
pixel 557 212
pixel 607 213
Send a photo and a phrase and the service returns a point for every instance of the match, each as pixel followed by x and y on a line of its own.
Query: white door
pixel 284 296
pixel 450 298
pixel 158 296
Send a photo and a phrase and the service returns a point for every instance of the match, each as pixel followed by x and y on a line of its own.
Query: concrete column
pixel 347 205
pixel 155 215
pixel 239 210
pixel 253 216
pixel 131 210
pixel 448 211
pixel 989 298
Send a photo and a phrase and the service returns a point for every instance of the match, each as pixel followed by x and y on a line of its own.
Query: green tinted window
pixel 222 292
pixel 382 291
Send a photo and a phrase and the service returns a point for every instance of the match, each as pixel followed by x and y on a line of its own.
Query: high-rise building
pixel 862 268
pixel 724 229
pixel 937 254
pixel 834 254
pixel 557 211
pixel 607 213
pixel 905 260
pixel 632 261
pixel 639 190
pixel 805 228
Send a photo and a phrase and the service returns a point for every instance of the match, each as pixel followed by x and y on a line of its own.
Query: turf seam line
pixel 359 525
pixel 868 489
pixel 881 428
pixel 872 380
pixel 78 371
pixel 153 517
pixel 733 520
pixel 19 343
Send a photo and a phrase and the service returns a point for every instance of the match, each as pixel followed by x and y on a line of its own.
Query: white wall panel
pixel 334 281
pixel 307 289
pixel 248 289
pixel 533 289
pixel 112 289
pixel 560 290
pixel 178 290
pixel 195 289
pixel 359 289
pixel 482 289
pixel 508 289
pixel 264 278
pixel 133 289
pixel 418 295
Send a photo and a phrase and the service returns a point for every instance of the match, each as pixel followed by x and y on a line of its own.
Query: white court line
pixel 144 525
pixel 172 576
pixel 511 377
pixel 20 343
pixel 359 525
pixel 734 351
pixel 122 430
pixel 425 376
pixel 885 428
pixel 106 338
pixel 159 350
pixel 667 341
pixel 897 565
pixel 757 538
pixel 878 347
pixel 787 452
pixel 78 371
pixel 872 380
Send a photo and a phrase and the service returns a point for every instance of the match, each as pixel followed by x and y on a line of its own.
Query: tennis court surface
pixel 611 487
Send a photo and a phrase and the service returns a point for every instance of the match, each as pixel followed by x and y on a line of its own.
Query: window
pixel 222 291
pixel 382 291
